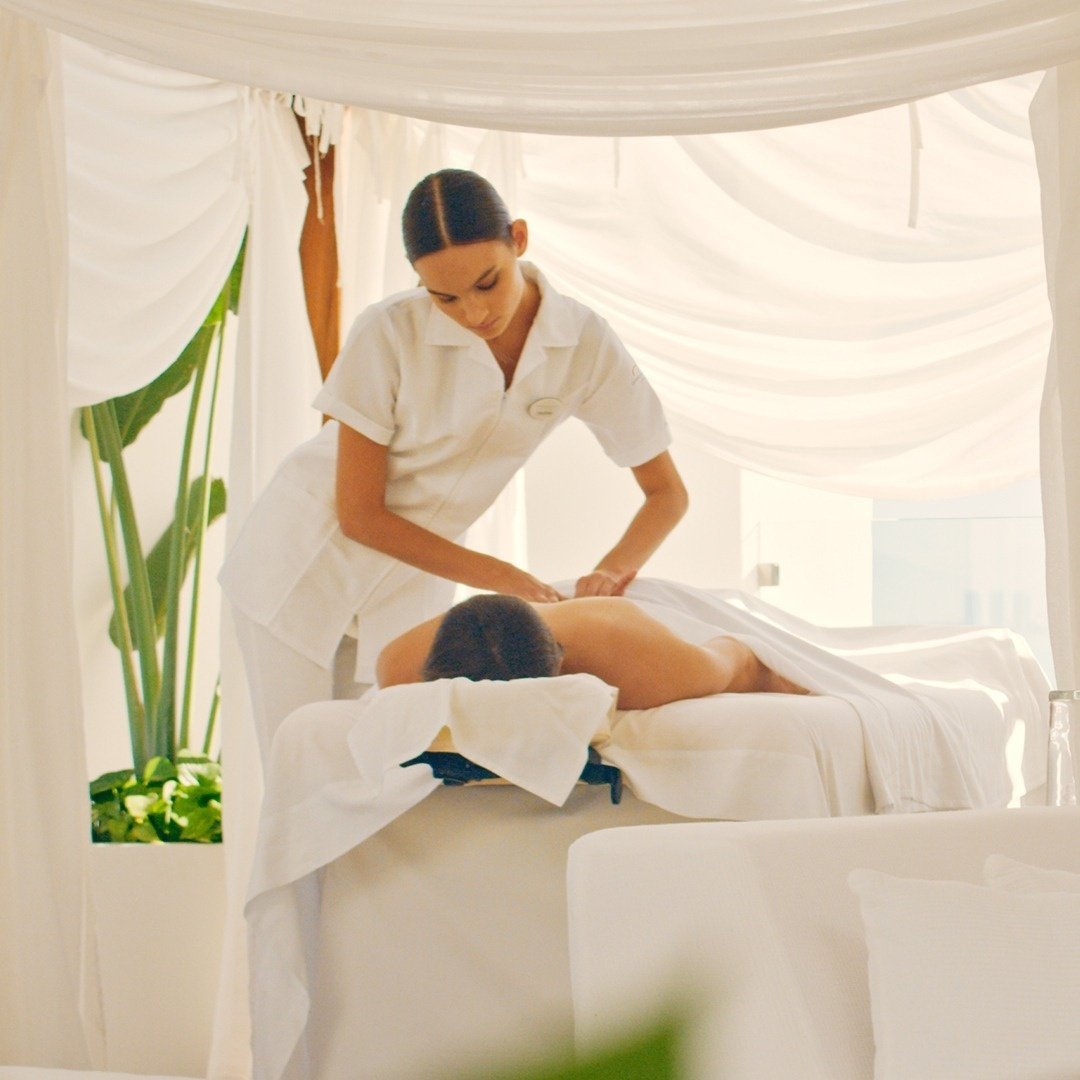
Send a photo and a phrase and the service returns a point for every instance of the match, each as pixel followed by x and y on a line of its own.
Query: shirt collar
pixel 554 325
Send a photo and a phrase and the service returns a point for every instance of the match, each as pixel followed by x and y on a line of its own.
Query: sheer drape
pixel 771 283
pixel 1055 118
pixel 43 796
pixel 156 209
pixel 277 375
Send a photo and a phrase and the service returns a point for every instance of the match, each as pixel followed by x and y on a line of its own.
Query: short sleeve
pixel 362 386
pixel 621 408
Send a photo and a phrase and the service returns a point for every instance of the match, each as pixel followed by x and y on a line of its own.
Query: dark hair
pixel 492 637
pixel 452 206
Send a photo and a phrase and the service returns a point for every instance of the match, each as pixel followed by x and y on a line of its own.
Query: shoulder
pixel 587 615
pixel 399 318
pixel 564 319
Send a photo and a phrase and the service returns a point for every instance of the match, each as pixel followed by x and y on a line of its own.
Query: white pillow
pixel 1001 872
pixel 971 982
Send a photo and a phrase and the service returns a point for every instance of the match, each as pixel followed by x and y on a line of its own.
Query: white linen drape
pixel 591 67
pixel 43 801
pixel 769 282
pixel 156 209
pixel 1055 120
pixel 791 320
pixel 277 375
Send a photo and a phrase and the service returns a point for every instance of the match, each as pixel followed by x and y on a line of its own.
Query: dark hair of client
pixel 492 637
pixel 452 206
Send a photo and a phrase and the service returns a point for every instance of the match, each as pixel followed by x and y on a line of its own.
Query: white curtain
pixel 277 375
pixel 1055 119
pixel 848 304
pixel 591 67
pixel 43 802
pixel 156 210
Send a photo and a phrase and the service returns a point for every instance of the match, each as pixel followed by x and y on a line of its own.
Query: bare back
pixel 615 640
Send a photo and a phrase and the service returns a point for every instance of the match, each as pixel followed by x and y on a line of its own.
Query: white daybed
pixel 397 925
pixel 755 925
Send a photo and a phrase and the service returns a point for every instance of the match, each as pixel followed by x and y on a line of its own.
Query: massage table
pixel 403 929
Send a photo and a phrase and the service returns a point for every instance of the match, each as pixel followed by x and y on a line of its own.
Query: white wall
pixel 578 503
pixel 822 544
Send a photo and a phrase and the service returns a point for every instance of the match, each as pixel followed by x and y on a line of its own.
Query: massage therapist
pixel 438 397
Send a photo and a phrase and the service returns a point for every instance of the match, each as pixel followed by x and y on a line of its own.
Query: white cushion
pixel 970 982
pixel 1001 872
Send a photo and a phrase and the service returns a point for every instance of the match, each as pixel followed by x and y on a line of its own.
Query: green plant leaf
pixel 117 830
pixel 143 832
pixel 110 782
pixel 204 773
pixel 158 770
pixel 135 410
pixel 157 562
pixel 203 826
pixel 143 609
pixel 196 757
pixel 236 275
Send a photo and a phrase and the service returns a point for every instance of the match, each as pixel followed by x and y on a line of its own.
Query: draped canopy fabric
pixel 807 332
pixel 156 212
pixel 588 66
pixel 771 283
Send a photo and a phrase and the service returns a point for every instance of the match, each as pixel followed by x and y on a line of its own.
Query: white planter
pixel 159 911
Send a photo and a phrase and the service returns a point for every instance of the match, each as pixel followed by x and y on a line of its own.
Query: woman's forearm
pixel 360 496
pixel 401 539
pixel 659 514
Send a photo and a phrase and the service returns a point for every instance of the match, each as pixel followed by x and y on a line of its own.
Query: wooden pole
pixel 319 255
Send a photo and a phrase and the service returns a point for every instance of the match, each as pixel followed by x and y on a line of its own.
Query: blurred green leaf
pixel 652 1054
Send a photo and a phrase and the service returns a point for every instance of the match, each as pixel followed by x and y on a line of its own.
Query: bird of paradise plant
pixel 172 791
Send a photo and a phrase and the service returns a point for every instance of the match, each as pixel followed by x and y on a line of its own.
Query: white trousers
pixel 281 680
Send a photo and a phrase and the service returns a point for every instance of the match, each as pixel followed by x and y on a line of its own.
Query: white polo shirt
pixel 412 379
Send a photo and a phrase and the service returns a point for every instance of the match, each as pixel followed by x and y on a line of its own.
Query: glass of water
pixel 1063 753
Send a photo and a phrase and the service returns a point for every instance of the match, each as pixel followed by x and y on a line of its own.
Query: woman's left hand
pixel 603 583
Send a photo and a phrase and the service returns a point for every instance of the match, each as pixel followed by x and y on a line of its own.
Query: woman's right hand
pixel 510 581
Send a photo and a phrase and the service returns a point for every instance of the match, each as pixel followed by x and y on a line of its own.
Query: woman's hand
pixel 603 583
pixel 510 581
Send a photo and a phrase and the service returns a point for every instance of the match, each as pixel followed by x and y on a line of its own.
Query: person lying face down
pixel 500 637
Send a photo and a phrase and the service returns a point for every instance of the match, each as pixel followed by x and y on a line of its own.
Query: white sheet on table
pixel 334 780
pixel 952 718
pixel 937 710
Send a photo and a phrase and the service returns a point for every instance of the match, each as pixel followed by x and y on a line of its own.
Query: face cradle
pixel 480 285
